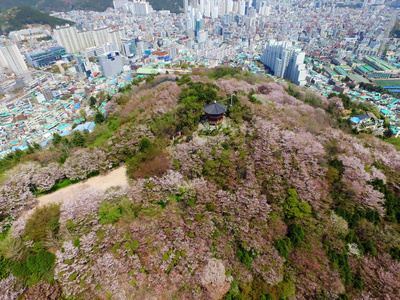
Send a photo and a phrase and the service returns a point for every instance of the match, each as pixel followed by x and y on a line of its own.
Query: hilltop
pixel 96 5
pixel 18 18
pixel 282 200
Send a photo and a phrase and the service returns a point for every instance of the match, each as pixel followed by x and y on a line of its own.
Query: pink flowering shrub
pixel 10 288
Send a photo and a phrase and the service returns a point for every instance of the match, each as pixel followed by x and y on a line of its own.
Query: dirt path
pixel 116 177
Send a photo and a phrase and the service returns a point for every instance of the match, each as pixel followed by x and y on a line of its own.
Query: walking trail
pixel 116 177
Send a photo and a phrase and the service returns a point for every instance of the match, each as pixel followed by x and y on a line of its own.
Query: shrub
pixel 293 208
pixel 157 166
pixel 109 214
pixel 20 269
pixel 246 256
pixel 234 292
pixel 144 144
pixel 370 248
pixel 5 265
pixel 13 248
pixel 131 246
pixel 43 219
pixel 76 242
pixel 40 263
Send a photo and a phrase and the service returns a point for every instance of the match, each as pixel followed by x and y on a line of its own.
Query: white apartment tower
pixel 140 8
pixel 285 61
pixel 242 7
pixel 86 39
pixel 117 36
pixel 67 36
pixel 101 36
pixel 14 60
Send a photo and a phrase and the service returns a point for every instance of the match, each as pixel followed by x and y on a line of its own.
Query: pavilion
pixel 215 112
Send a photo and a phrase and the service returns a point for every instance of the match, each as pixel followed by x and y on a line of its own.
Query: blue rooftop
pixel 87 126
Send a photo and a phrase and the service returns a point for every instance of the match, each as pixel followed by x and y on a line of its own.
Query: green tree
pixel 40 263
pixel 99 118
pixel 109 214
pixel 92 101
pixel 296 234
pixel 56 139
pixel 144 144
pixel 78 139
pixel 283 247
pixel 83 114
pixel 293 208
pixel 43 220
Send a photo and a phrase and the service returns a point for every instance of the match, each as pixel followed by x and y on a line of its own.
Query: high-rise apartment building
pixel 285 61
pixel 67 36
pixel 117 36
pixel 140 8
pixel 14 60
pixel 101 36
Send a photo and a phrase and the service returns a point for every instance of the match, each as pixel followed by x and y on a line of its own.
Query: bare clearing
pixel 116 177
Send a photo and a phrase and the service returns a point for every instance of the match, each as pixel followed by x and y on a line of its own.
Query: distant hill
pixel 19 17
pixel 97 5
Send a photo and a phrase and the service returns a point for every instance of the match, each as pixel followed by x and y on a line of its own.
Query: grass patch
pixel 394 141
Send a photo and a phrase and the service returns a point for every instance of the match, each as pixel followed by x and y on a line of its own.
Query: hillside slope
pixel 18 18
pixel 96 5
pixel 280 201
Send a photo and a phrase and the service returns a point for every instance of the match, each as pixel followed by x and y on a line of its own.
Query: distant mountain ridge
pixel 18 18
pixel 97 5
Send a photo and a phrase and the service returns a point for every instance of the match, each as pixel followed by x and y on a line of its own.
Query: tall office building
pixel 285 61
pixel 44 58
pixel 111 63
pixel 128 47
pixel 14 60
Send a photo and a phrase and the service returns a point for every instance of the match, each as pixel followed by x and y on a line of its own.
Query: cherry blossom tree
pixel 45 178
pixel 85 161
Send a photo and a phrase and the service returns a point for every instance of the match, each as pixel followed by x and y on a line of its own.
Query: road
pixel 389 28
pixel 116 177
